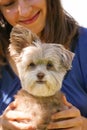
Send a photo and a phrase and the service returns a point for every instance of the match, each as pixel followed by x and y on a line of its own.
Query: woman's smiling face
pixel 29 13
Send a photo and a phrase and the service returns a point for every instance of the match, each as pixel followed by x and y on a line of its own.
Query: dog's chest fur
pixel 39 109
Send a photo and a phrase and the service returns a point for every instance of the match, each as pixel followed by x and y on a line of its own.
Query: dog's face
pixel 41 66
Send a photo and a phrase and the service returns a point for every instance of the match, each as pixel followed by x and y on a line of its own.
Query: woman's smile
pixel 29 13
pixel 31 19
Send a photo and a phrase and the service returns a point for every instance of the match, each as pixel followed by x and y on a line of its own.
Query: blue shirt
pixel 74 84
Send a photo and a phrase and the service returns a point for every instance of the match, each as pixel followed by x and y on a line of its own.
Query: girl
pixel 51 23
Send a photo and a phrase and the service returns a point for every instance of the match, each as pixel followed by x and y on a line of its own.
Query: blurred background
pixel 78 9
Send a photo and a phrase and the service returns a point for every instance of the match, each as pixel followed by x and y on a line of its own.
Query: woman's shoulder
pixel 82 30
pixel 82 37
pixel 79 39
pixel 82 43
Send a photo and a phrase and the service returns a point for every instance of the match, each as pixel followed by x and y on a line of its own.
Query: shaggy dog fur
pixel 41 68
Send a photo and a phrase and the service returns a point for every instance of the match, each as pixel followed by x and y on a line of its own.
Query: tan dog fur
pixel 41 68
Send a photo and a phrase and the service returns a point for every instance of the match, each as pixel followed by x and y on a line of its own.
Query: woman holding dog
pixel 51 23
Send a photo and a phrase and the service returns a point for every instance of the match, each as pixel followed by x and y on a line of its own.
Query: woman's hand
pixel 15 120
pixel 69 119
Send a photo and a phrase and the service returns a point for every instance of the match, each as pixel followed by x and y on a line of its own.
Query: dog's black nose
pixel 40 75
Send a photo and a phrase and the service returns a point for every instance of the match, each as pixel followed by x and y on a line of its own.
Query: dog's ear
pixel 66 56
pixel 21 37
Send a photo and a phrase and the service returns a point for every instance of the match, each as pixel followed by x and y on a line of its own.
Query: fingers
pixel 13 115
pixel 79 128
pixel 66 124
pixel 13 125
pixel 16 120
pixel 66 102
pixel 70 113
pixel 11 106
pixel 69 119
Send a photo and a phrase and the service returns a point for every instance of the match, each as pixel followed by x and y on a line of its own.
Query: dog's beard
pixel 48 86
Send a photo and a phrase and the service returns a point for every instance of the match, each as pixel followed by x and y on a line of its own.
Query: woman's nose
pixel 24 8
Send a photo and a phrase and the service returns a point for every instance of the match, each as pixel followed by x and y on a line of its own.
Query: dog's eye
pixel 49 65
pixel 32 65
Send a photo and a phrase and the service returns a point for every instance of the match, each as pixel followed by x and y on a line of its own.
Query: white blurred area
pixel 77 9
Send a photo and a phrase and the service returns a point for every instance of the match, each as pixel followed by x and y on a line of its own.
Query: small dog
pixel 41 68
